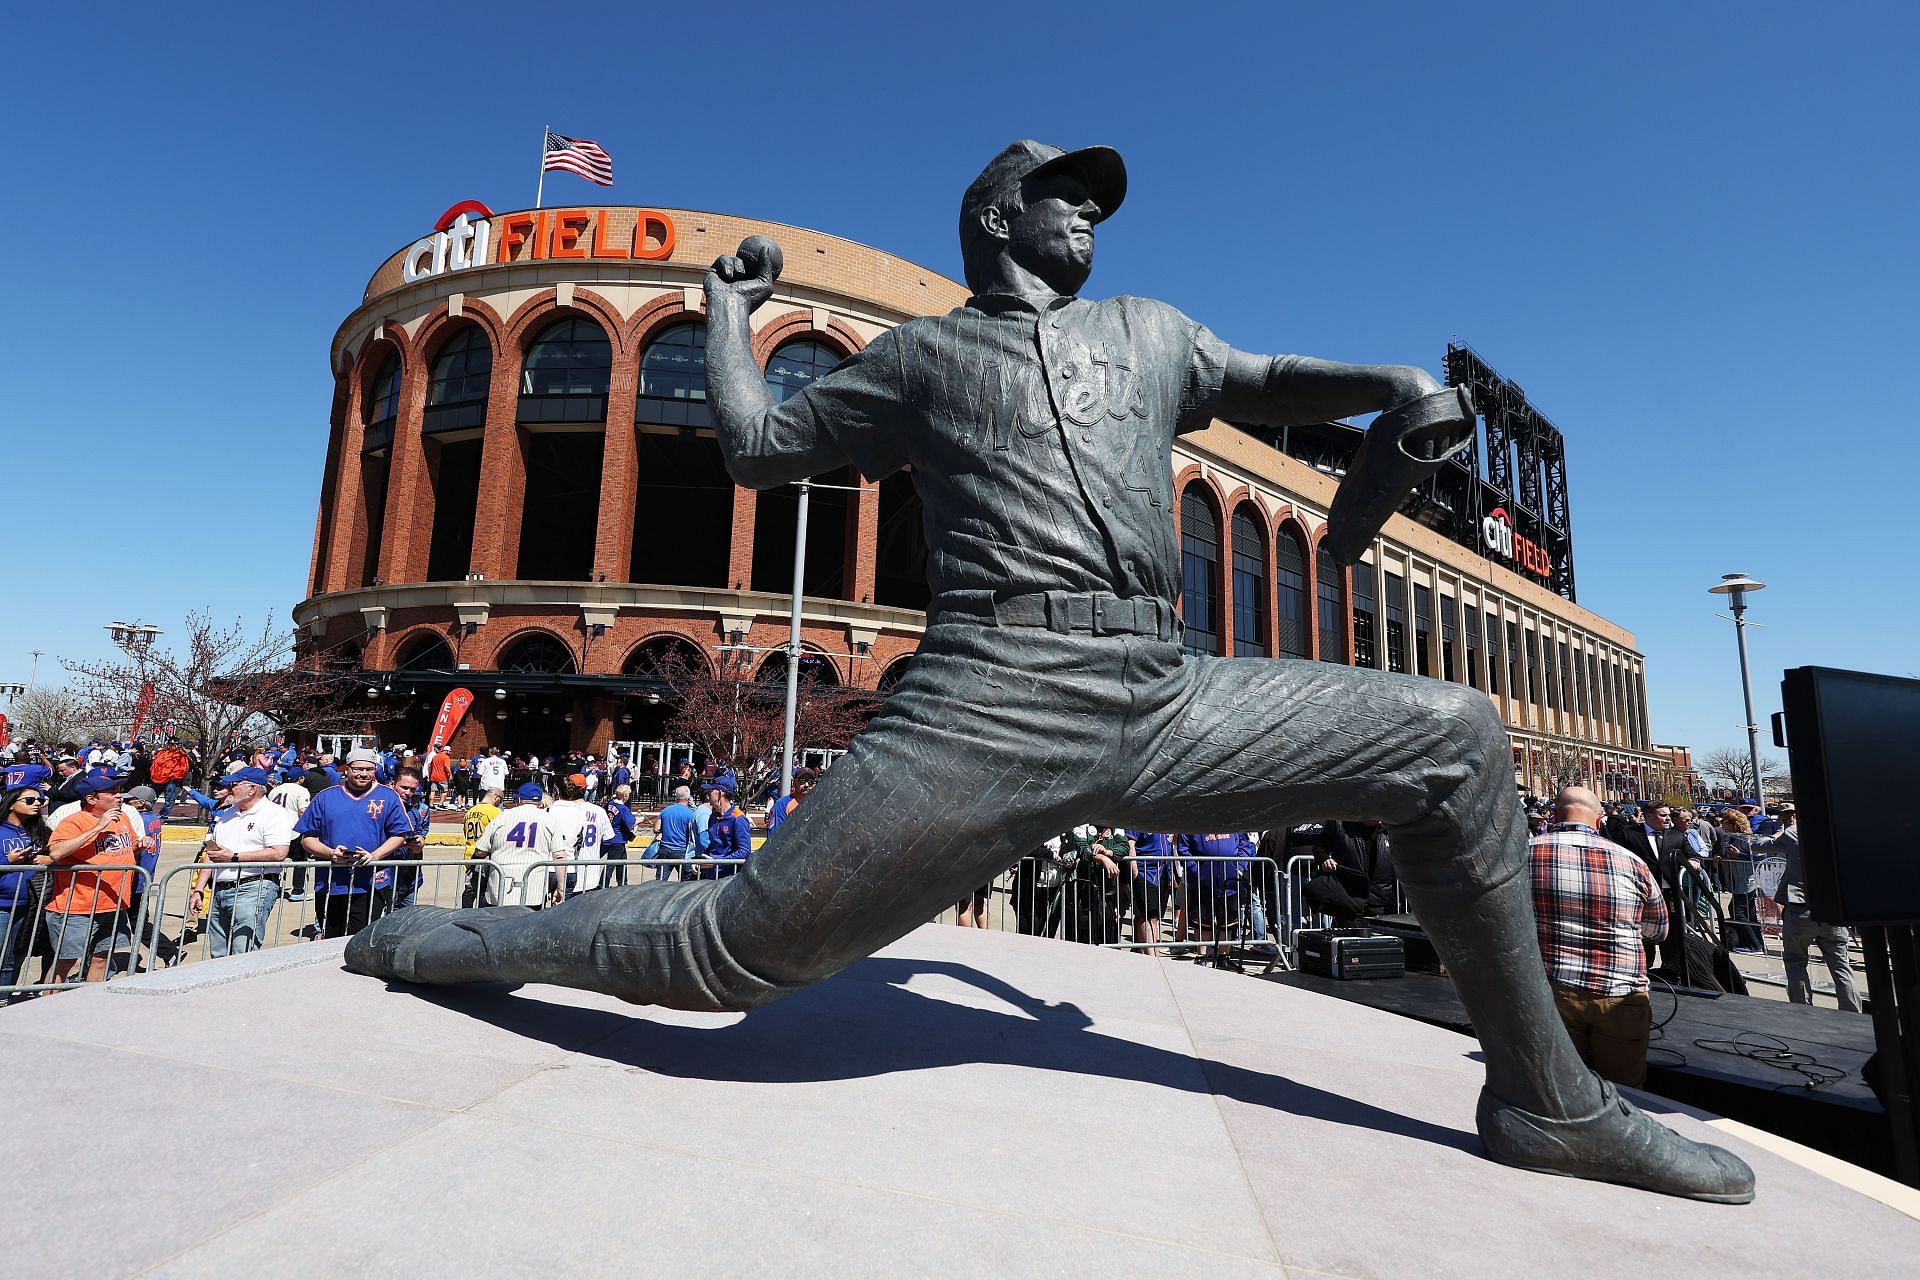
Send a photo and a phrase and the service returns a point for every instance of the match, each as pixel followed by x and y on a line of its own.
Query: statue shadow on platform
pixel 866 1023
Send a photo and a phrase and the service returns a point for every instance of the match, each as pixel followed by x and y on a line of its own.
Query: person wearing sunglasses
pixel 23 845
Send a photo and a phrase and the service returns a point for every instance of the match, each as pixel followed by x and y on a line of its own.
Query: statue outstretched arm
pixel 1421 425
pixel 764 443
pixel 1291 391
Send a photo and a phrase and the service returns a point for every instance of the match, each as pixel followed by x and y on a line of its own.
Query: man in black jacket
pixel 1353 877
pixel 1663 847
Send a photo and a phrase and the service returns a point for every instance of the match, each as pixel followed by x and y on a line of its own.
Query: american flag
pixel 578 155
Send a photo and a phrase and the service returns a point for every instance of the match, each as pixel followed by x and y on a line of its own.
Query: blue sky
pixel 1688 231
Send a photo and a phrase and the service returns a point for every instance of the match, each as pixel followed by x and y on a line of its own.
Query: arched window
pixel 1293 629
pixel 1333 607
pixel 665 658
pixel 1249 585
pixel 425 653
pixel 566 372
pixel 794 366
pixel 1199 571
pixel 382 404
pixel 539 653
pixel 813 667
pixel 896 671
pixel 457 388
pixel 673 378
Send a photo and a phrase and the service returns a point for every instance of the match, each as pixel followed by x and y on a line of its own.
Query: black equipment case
pixel 1352 953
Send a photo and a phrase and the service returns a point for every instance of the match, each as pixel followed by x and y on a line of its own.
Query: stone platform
pixel 966 1102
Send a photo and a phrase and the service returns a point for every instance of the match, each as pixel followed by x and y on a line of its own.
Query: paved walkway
pixel 965 1103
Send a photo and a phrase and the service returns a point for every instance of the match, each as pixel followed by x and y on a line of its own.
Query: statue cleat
pixel 1618 1143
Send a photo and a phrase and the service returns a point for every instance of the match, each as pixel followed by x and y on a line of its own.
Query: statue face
pixel 1053 236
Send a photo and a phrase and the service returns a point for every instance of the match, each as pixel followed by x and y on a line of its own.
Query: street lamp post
pixel 1735 587
pixel 134 639
pixel 793 640
pixel 736 640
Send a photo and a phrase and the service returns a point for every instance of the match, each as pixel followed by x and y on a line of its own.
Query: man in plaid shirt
pixel 1594 903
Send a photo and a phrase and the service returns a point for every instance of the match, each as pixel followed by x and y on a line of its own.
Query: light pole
pixel 736 640
pixel 134 639
pixel 1735 586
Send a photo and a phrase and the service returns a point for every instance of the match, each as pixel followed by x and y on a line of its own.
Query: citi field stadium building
pixel 523 497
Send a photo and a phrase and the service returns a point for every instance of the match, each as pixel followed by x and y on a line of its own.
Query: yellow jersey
pixel 477 819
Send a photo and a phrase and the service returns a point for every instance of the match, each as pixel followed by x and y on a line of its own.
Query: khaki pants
pixel 1609 1031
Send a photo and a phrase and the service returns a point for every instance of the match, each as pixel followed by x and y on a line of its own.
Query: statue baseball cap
pixel 1104 171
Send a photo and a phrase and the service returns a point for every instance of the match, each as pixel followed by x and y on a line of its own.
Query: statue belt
pixel 1067 612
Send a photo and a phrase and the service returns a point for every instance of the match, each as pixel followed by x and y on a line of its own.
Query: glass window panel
pixel 1199 572
pixel 795 366
pixel 1290 560
pixel 1365 624
pixel 1249 587
pixel 571 357
pixel 673 378
pixel 1333 613
pixel 1396 606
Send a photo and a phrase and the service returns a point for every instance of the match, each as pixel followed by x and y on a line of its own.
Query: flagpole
pixel 541 186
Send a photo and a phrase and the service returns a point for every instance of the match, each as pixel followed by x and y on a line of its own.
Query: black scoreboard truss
pixel 1518 464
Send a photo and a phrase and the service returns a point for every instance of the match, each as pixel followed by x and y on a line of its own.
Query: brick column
pixel 863 541
pixel 503 476
pixel 746 503
pixel 613 533
pixel 350 501
pixel 408 531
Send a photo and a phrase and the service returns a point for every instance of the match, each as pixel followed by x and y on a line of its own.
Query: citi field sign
pixel 471 235
pixel 1498 537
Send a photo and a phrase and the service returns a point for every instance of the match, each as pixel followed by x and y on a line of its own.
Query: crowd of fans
pixel 81 828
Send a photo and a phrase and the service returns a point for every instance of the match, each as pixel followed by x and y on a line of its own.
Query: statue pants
pixel 1000 736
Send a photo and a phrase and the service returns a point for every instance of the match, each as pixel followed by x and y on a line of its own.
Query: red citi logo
pixel 1496 531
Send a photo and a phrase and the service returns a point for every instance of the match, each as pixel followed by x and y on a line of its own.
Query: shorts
pixel 73 937
pixel 1149 899
pixel 1215 904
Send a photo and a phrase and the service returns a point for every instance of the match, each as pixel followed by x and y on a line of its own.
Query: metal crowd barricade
pixel 54 949
pixel 1759 877
pixel 1248 914
pixel 257 913
pixel 554 880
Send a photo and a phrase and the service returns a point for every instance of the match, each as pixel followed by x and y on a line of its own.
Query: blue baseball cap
pixel 21 776
pixel 252 773
pixel 529 791
pixel 97 781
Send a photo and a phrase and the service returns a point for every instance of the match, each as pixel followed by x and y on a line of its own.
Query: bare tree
pixel 1566 767
pixel 1734 768
pixel 49 715
pixel 226 685
pixel 742 721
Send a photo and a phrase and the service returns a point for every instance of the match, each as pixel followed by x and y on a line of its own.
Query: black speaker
pixel 1853 740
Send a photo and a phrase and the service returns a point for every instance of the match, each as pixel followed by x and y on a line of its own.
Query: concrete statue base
pixel 962 1102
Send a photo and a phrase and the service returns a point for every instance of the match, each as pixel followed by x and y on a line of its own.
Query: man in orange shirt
pixel 86 916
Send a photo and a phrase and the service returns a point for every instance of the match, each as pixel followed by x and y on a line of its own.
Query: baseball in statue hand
pixel 762 257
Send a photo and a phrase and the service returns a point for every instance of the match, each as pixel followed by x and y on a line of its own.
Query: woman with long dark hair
pixel 23 846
